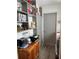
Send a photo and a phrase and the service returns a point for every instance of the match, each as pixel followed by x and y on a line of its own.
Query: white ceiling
pixel 47 2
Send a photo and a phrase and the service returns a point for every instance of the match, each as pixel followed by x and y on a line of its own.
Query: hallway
pixel 47 53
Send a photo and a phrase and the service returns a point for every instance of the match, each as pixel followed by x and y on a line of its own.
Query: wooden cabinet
pixel 31 52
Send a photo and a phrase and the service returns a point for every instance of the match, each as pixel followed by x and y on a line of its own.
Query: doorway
pixel 50 29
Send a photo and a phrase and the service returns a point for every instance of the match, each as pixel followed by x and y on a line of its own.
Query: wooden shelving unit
pixel 26 9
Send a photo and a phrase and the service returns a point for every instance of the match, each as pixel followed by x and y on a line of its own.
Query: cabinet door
pixel 22 55
pixel 33 53
pixel 37 48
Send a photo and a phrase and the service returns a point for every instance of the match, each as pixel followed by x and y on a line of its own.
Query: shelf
pixel 21 22
pixel 23 12
pixel 24 30
pixel 31 15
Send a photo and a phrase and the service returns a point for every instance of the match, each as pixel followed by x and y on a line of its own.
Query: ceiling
pixel 47 2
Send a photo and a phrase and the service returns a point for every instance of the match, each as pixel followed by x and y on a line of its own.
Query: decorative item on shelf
pixel 17 17
pixel 19 0
pixel 36 10
pixel 33 11
pixel 29 1
pixel 24 26
pixel 21 17
pixel 18 28
pixel 24 18
pixel 19 6
pixel 33 25
pixel 33 2
pixel 29 10
pixel 24 8
pixel 30 22
pixel 40 10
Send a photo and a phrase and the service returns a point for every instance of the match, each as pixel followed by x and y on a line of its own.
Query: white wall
pixel 53 8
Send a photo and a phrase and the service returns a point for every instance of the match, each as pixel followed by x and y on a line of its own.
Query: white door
pixel 50 29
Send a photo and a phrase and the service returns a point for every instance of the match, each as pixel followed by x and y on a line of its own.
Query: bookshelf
pixel 26 15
